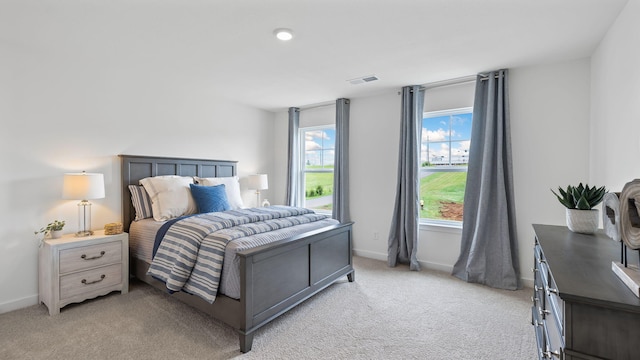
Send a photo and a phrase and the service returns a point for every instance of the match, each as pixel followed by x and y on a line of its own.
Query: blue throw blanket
pixel 190 254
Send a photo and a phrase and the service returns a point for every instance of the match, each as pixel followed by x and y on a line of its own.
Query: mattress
pixel 142 237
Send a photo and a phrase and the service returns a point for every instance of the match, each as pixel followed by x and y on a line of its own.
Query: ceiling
pixel 229 45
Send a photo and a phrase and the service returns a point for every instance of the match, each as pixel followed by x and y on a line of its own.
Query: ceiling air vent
pixel 363 79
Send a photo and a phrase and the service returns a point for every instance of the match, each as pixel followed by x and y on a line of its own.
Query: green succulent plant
pixel 580 197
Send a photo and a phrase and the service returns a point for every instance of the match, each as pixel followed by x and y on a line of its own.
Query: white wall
pixel 615 92
pixel 374 133
pixel 72 100
pixel 70 104
pixel 549 132
pixel 547 103
pixel 448 97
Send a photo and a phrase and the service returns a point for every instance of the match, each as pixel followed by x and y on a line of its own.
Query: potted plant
pixel 580 202
pixel 53 229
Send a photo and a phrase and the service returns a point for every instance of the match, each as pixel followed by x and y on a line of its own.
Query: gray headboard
pixel 135 167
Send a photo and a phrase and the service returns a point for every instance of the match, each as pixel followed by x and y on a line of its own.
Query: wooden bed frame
pixel 273 278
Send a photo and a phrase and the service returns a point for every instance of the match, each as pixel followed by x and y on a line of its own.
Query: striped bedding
pixel 190 256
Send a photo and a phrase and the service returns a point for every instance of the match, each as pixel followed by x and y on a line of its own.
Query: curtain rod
pixel 457 81
pixel 309 107
pixel 486 77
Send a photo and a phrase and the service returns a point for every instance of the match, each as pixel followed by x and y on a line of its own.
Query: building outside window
pixel 444 155
pixel 317 175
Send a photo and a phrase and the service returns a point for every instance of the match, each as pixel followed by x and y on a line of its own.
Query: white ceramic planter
pixel 582 221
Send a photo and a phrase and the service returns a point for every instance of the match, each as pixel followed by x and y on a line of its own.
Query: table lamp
pixel 83 186
pixel 258 182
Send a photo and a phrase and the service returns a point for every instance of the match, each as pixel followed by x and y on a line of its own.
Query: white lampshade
pixel 83 186
pixel 258 182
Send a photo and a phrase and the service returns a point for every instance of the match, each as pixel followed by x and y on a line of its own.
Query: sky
pixel 444 136
pixel 439 133
pixel 319 147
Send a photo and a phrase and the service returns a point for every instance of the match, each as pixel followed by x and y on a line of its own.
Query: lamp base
pixel 84 219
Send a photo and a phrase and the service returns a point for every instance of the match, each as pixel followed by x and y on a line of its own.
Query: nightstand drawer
pixel 86 281
pixel 90 256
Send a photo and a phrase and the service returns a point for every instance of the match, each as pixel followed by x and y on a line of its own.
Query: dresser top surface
pixel 581 267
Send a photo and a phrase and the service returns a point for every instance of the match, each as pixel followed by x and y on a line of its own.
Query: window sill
pixel 441 226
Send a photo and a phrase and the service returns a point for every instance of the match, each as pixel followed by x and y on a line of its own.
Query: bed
pixel 273 278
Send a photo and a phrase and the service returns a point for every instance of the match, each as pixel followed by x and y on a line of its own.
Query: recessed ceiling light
pixel 283 34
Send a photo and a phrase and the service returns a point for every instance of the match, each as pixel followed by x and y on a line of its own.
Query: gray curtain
pixel 403 236
pixel 340 210
pixel 489 249
pixel 293 171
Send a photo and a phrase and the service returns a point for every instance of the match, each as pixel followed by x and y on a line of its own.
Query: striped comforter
pixel 191 253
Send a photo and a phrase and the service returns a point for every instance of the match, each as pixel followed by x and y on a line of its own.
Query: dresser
pixel 581 309
pixel 73 269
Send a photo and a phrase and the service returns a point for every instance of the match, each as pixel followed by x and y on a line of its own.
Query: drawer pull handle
pixel 536 288
pixel 533 270
pixel 551 354
pixel 552 290
pixel 84 256
pixel 84 281
pixel 544 313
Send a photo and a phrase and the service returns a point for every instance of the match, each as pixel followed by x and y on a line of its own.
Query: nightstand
pixel 74 269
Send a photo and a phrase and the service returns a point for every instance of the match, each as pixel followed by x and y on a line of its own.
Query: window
pixel 317 180
pixel 446 136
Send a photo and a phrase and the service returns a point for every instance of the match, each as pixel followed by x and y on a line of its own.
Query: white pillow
pixel 170 196
pixel 231 186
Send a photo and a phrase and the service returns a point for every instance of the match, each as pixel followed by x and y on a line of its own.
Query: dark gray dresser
pixel 581 309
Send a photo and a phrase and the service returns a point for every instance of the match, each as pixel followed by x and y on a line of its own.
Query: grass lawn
pixel 437 187
pixel 313 180
pixel 441 186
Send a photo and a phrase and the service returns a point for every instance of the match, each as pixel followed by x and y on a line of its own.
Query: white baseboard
pixel 18 304
pixel 435 266
pixel 528 283
pixel 383 257
pixel 370 254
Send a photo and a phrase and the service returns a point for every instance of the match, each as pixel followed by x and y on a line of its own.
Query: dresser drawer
pixel 538 327
pixel 89 280
pixel 102 261
pixel 554 303
pixel 91 256
pixel 553 336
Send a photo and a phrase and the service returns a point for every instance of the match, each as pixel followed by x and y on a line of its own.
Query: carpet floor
pixel 387 313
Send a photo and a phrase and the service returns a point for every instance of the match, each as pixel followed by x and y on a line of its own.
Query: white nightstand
pixel 73 269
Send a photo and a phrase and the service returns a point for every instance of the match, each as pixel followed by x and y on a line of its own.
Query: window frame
pixel 441 223
pixel 303 170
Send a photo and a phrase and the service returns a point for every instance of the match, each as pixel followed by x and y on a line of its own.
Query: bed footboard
pixel 281 275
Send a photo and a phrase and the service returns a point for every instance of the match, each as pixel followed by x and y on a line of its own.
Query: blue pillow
pixel 210 198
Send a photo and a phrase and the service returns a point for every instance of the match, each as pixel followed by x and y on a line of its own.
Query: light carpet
pixel 387 313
